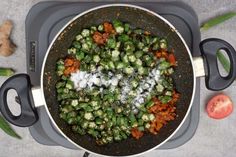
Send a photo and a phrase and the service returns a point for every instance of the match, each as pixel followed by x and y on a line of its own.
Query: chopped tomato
pixel 158 54
pixel 69 70
pixel 105 36
pixel 69 62
pixel 167 55
pixel 220 106
pixel 163 112
pixel 71 65
pixel 100 38
pixel 108 28
pixel 136 133
pixel 175 98
pixel 171 59
pixel 97 37
pixel 161 54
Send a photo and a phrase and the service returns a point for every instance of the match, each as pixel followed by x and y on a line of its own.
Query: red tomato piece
pixel 172 59
pixel 219 107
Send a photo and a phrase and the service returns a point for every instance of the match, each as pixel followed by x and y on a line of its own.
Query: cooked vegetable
pixel 217 20
pixel 137 133
pixel 112 80
pixel 219 107
pixel 70 66
pixel 6 72
pixel 7 128
pixel 171 59
pixel 223 60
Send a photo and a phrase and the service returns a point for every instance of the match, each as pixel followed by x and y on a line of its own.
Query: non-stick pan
pixel 188 69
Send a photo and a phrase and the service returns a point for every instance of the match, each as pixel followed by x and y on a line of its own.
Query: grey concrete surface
pixel 213 137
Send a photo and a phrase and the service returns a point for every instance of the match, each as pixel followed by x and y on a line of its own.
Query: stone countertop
pixel 213 137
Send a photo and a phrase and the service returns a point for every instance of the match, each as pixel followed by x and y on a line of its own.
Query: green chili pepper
pixel 7 128
pixel 6 72
pixel 217 20
pixel 223 60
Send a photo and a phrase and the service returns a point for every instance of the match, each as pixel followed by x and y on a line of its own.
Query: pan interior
pixel 183 78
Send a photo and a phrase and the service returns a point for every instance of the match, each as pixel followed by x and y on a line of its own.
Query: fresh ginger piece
pixel 7 47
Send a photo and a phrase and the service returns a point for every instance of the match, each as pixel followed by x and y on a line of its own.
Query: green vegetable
pixel 163 44
pixel 223 60
pixel 71 50
pixel 77 45
pixel 80 55
pixel 127 27
pixel 85 33
pixel 164 65
pixel 141 128
pixel 69 84
pixel 138 31
pixel 131 58
pixel 139 54
pixel 129 70
pixel 149 104
pixel 145 117
pixel 7 128
pixel 120 65
pixel 165 99
pixel 115 53
pixel 96 58
pixel 74 102
pixel 118 26
pixel 217 20
pixel 111 43
pixel 129 46
pixel 123 38
pixel 100 28
pixel 147 125
pixel 6 72
pixel 85 47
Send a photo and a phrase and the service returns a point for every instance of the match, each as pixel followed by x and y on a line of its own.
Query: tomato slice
pixel 220 106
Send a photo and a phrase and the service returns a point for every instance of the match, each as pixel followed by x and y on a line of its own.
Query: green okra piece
pixel 6 72
pixel 217 20
pixel 223 60
pixel 7 128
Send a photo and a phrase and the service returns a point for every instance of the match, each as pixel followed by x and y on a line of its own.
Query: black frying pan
pixel 184 78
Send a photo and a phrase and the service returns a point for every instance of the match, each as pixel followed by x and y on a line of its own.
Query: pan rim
pixel 105 6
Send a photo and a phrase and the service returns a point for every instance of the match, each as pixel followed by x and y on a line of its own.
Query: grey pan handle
pixel 208 66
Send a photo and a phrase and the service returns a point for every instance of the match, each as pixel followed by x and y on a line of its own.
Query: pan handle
pixel 214 81
pixel 21 84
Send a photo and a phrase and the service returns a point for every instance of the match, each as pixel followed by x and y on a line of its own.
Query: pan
pixel 188 69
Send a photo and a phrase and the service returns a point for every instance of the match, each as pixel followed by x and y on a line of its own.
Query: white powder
pixel 147 84
pixel 125 91
pixel 84 80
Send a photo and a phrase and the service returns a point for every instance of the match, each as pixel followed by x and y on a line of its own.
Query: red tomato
pixel 220 106
pixel 172 59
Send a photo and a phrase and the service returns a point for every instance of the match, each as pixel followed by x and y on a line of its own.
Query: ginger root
pixel 7 47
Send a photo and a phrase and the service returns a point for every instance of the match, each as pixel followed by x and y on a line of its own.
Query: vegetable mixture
pixel 116 82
